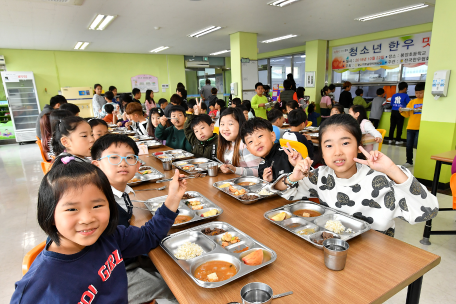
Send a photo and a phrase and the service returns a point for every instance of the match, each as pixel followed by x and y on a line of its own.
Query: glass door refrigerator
pixel 23 103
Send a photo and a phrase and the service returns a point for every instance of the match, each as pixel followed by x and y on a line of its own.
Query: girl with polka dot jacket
pixel 374 190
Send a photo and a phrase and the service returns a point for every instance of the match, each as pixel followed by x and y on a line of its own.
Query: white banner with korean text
pixel 410 49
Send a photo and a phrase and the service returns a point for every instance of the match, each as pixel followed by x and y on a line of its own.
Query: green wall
pixel 438 121
pixel 56 69
pixel 316 62
pixel 242 45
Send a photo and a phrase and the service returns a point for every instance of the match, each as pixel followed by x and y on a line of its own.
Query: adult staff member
pixel 206 92
pixel 54 103
pixel 346 99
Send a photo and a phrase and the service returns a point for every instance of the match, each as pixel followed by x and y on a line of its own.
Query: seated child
pixel 109 97
pixel 359 113
pixel 74 109
pixel 190 104
pixel 313 115
pixel 199 131
pixel 136 93
pixel 163 103
pixel 111 115
pixel 276 118
pixel 231 150
pixel 174 135
pixel 259 136
pixel 211 98
pixel 374 190
pixel 47 122
pixel 84 256
pixel 99 127
pixel 359 100
pixel 337 109
pixel 298 120
pixel 244 111
pixel 236 102
pixel 138 122
pixel 292 105
pixel 72 136
pixel 154 121
pixel 203 108
pixel 248 106
pixel 212 110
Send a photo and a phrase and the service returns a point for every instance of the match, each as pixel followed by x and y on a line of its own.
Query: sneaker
pixel 399 142
pixel 391 141
pixel 407 165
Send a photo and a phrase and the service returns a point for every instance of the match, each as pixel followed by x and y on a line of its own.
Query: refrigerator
pixel 82 97
pixel 20 90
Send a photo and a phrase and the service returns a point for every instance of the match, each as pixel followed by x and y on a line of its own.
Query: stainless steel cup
pixel 167 164
pixel 259 293
pixel 212 169
pixel 335 251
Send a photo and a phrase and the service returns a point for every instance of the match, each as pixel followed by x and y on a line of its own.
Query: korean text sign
pixel 410 49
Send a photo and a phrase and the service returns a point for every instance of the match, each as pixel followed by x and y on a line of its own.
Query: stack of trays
pixel 302 226
pixel 214 251
pixel 244 189
pixel 186 213
pixel 146 174
pixel 192 166
pixel 174 154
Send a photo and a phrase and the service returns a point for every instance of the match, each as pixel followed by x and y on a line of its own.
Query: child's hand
pixel 163 121
pixel 378 139
pixel 301 169
pixel 400 110
pixel 293 155
pixel 128 124
pixel 197 107
pixel 308 137
pixel 378 161
pixel 267 174
pixel 226 168
pixel 176 191
pixel 119 124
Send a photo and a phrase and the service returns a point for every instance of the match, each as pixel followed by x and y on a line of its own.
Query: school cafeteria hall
pixel 223 152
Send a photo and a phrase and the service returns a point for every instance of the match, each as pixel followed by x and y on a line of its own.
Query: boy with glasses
pixel 117 156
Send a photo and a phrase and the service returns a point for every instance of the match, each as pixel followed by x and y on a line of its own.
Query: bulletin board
pixel 249 79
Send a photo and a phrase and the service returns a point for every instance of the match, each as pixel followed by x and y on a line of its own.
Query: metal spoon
pixel 159 189
pixel 219 161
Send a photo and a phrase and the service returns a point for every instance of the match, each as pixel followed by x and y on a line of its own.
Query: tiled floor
pixel 19 232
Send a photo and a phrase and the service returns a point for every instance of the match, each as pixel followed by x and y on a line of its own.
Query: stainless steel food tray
pixel 154 176
pixel 154 203
pixel 250 190
pixel 294 223
pixel 151 144
pixel 213 251
pixel 199 165
pixel 177 154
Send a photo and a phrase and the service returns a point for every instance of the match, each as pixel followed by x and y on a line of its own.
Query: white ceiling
pixel 43 25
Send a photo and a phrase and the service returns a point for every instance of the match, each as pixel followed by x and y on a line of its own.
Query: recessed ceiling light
pixel 395 11
pixel 221 52
pixel 208 30
pixel 159 49
pixel 101 22
pixel 81 45
pixel 282 3
pixel 279 38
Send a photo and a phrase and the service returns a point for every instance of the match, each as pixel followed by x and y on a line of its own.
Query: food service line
pixel 377 267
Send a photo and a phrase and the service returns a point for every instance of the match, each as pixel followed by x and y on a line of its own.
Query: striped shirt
pixel 248 162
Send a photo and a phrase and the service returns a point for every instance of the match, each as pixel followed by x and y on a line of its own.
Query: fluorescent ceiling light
pixel 394 12
pixel 81 45
pixel 282 3
pixel 221 52
pixel 78 45
pixel 159 49
pixel 208 30
pixel 101 22
pixel 279 38
pixel 303 56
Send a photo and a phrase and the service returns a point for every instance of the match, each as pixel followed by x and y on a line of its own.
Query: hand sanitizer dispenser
pixel 440 83
pixel 234 88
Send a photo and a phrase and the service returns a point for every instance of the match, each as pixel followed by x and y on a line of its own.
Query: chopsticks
pixel 182 178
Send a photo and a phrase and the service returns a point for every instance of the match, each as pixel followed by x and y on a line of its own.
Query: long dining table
pixel 377 266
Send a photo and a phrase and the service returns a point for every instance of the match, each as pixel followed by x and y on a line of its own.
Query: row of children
pixel 85 209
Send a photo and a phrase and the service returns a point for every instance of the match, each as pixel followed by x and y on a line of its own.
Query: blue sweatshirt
pixel 399 100
pixel 97 273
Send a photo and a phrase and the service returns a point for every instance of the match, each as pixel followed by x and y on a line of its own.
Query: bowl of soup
pixel 307 210
pixel 215 267
pixel 183 217
pixel 247 181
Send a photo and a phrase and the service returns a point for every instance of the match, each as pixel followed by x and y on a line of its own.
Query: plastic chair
pixel 43 154
pixel 300 147
pixel 46 166
pixel 453 189
pixel 216 130
pixel 309 123
pixel 383 132
pixel 30 257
